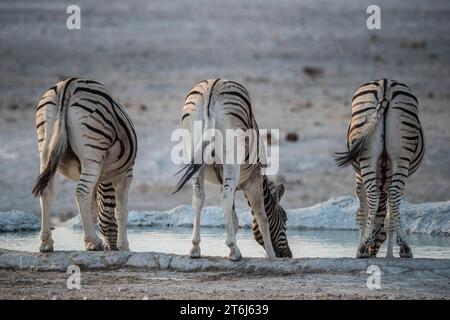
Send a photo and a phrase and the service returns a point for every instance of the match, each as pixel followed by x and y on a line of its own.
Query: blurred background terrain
pixel 301 61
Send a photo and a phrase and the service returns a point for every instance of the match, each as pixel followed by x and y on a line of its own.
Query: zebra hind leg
pixel 107 220
pixel 46 200
pixel 390 233
pixel 380 226
pixel 198 199
pixel 368 242
pixel 84 195
pixel 395 196
pixel 121 187
pixel 230 180
pixel 361 213
pixel 235 219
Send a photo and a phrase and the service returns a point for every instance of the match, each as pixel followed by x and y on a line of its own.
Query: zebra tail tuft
pixel 189 171
pixel 57 146
pixel 343 159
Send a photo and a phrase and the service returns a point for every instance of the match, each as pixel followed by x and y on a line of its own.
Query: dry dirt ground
pixel 301 61
pixel 152 275
pixel 218 285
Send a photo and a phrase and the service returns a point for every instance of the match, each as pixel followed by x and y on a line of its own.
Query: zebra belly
pixel 214 174
pixel 69 166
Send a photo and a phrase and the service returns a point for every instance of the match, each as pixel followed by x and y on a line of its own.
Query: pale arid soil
pixel 149 275
pixel 218 285
pixel 301 61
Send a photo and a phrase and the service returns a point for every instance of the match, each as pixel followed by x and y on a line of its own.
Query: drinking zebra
pixel 222 105
pixel 385 146
pixel 87 137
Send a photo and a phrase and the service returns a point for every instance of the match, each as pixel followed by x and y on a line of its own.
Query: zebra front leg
pixel 84 195
pixel 121 188
pixel 230 181
pixel 198 199
pixel 395 193
pixel 46 200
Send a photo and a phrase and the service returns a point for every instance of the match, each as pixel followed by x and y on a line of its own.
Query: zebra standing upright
pixel 385 146
pixel 86 136
pixel 221 105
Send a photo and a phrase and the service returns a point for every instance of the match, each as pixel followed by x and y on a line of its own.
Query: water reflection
pixel 303 243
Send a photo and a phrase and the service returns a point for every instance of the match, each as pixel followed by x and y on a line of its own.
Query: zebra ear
pixel 279 191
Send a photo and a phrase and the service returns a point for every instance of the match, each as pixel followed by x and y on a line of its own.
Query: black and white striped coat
pixel 222 104
pixel 385 146
pixel 85 135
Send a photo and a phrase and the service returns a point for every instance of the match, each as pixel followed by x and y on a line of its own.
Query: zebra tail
pixel 57 146
pixel 189 171
pixel 343 159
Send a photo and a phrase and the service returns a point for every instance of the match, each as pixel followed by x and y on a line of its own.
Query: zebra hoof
pixel 363 252
pixel 93 247
pixel 46 247
pixel 235 255
pixel 405 251
pixel 124 248
pixel 108 247
pixel 195 253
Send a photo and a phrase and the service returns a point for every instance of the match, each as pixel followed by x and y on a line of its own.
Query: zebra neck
pixel 273 211
pixel 270 204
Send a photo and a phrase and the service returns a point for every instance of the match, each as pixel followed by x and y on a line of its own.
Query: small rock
pixel 378 58
pixel 292 137
pixel 414 44
pixel 313 72
pixel 302 105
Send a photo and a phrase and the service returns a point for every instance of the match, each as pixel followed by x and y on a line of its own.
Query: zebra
pixel 385 146
pixel 85 135
pixel 224 104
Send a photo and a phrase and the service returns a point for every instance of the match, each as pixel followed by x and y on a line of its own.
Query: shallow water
pixel 303 243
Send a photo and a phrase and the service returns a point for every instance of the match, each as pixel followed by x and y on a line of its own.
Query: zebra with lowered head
pixel 385 146
pixel 225 105
pixel 85 135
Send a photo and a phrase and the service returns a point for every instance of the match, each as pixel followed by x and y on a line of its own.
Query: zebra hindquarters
pixel 107 222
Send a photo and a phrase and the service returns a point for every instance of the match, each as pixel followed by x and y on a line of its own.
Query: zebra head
pixel 277 219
